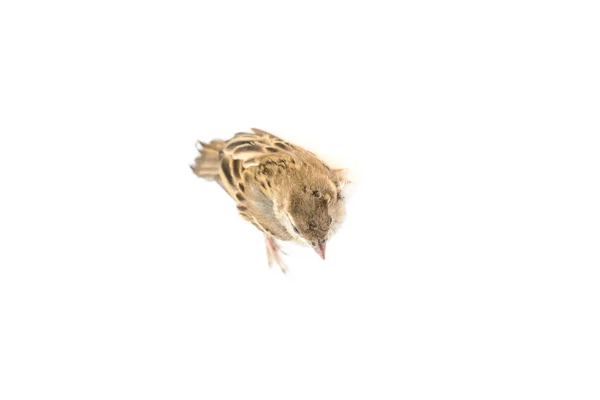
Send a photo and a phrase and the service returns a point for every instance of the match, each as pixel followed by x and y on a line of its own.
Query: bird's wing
pixel 250 147
pixel 244 159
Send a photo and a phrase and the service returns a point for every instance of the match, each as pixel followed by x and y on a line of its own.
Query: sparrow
pixel 285 191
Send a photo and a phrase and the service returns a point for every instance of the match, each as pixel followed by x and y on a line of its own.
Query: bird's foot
pixel 274 253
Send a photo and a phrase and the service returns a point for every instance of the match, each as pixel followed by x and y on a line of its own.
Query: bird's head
pixel 310 212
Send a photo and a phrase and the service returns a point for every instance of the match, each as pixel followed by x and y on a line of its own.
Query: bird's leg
pixel 274 253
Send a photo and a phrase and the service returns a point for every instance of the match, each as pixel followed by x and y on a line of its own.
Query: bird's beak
pixel 320 249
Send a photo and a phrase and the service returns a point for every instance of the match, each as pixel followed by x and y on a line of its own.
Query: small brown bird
pixel 282 189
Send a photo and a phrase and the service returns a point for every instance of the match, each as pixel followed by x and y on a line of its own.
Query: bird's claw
pixel 273 254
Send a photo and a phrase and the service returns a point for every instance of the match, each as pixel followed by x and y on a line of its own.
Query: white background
pixel 468 266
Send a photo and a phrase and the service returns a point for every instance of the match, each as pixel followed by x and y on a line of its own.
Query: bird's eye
pixel 295 229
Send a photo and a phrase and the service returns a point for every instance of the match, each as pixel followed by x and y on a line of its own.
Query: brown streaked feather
pixel 265 134
pixel 247 151
pixel 236 168
pixel 226 171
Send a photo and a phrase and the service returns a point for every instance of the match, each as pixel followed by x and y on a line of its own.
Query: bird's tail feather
pixel 208 163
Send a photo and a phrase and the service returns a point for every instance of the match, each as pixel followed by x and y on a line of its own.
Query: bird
pixel 284 190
